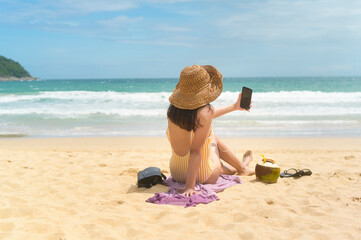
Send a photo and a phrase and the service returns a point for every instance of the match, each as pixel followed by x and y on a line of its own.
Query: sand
pixel 85 188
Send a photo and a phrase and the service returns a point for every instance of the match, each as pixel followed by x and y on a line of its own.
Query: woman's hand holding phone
pixel 237 105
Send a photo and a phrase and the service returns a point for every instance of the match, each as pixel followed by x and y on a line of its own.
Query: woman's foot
pixel 246 170
pixel 247 158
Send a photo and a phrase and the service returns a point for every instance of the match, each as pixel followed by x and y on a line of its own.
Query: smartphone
pixel 246 98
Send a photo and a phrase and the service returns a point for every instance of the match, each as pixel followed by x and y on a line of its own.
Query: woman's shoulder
pixel 175 128
pixel 205 113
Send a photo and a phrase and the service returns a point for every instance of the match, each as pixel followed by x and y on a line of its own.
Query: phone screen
pixel 246 98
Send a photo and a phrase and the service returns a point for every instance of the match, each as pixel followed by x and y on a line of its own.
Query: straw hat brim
pixel 201 98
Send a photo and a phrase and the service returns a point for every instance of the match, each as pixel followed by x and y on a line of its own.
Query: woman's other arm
pixel 205 116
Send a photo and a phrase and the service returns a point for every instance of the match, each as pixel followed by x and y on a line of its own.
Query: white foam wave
pixel 81 104
pixel 271 123
pixel 269 97
pixel 297 97
pixel 87 96
pixel 290 112
pixel 81 113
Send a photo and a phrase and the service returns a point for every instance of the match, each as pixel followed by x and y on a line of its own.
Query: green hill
pixel 12 69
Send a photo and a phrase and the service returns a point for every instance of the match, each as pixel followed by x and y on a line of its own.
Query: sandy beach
pixel 85 188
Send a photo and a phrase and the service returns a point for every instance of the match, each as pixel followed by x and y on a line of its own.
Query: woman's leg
pixel 241 168
pixel 217 165
pixel 220 151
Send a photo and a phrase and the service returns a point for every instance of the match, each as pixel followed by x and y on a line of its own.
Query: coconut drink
pixel 267 170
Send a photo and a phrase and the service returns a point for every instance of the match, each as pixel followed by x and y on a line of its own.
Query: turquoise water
pixel 323 84
pixel 303 106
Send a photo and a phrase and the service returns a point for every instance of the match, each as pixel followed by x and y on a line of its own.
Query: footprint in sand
pixel 247 235
pixel 129 172
pixel 240 217
pixel 37 227
pixel 341 176
pixel 313 211
pixel 56 236
pixel 134 172
pixel 132 232
pixel 160 215
pixel 71 155
pixel 316 226
pixel 349 157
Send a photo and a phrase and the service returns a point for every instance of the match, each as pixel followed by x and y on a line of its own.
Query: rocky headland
pixel 13 71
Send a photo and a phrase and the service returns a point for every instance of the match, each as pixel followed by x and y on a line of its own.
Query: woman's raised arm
pixel 233 107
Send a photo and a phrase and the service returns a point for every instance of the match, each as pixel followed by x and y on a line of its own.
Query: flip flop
pixel 293 172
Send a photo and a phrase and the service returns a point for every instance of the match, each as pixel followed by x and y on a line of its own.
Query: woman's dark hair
pixel 184 118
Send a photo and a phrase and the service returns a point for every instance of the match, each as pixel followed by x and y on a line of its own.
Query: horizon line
pixel 227 77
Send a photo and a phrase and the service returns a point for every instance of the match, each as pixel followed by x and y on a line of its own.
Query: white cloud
pixel 118 21
pixel 293 20
pixel 169 28
pixel 91 6
pixel 216 23
pixel 68 15
pixel 168 1
pixel 162 42
pixel 53 23
pixel 22 11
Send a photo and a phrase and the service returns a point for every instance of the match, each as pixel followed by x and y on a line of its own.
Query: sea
pixel 281 107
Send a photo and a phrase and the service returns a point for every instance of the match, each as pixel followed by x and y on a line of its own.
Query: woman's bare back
pixel 181 139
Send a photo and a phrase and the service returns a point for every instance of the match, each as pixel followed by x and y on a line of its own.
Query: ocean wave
pixel 288 123
pixel 90 104
pixel 84 113
pixel 162 97
pixel 255 113
pixel 298 97
pixel 86 96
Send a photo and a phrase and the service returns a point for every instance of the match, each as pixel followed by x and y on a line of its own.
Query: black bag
pixel 150 177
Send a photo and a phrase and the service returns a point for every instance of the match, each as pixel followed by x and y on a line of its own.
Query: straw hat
pixel 197 86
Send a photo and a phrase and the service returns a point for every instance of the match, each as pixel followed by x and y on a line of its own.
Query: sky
pixel 64 39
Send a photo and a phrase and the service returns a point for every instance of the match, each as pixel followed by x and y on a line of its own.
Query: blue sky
pixel 157 38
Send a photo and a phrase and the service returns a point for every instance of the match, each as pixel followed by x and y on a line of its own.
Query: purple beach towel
pixel 207 192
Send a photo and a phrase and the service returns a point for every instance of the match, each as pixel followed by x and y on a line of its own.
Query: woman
pixel 196 151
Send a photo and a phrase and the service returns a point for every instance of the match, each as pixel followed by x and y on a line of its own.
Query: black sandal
pixel 293 172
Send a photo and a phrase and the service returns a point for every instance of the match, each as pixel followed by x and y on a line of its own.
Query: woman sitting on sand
pixel 196 151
